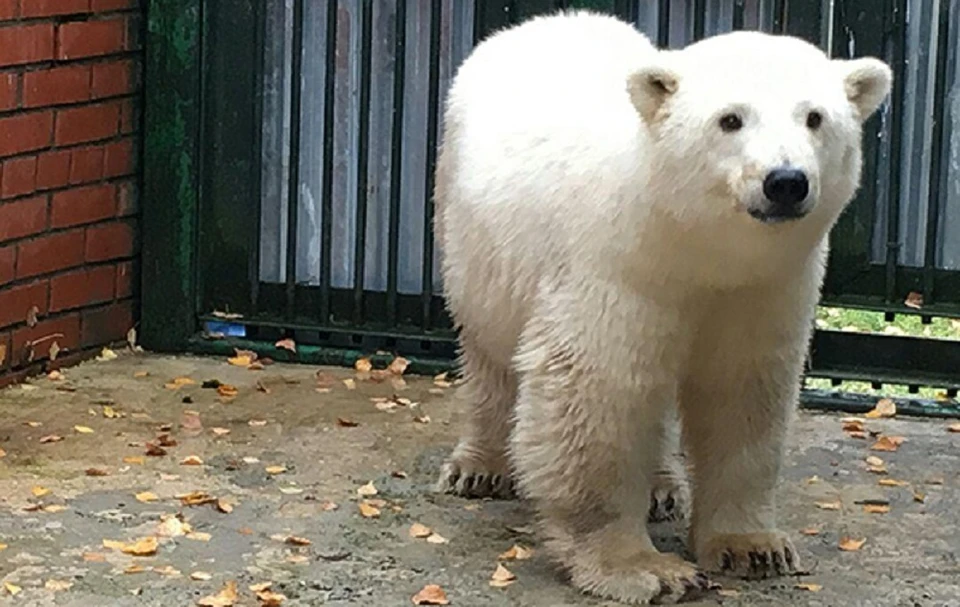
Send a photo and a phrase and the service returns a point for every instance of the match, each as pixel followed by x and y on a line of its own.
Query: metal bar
pixel 396 161
pixel 738 8
pixel 433 102
pixel 898 37
pixel 699 19
pixel 479 13
pixel 824 400
pixel 663 23
pixel 937 174
pixel 779 16
pixel 363 159
pixel 626 10
pixel 260 13
pixel 293 193
pixel 326 188
pixel 561 5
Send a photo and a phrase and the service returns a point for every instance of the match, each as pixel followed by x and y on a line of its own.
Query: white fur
pixel 601 263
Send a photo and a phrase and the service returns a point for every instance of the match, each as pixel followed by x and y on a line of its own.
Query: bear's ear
pixel 650 87
pixel 866 82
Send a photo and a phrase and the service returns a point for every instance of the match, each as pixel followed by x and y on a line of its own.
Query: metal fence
pixel 317 133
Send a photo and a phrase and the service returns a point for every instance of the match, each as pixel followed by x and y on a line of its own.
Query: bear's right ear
pixel 650 87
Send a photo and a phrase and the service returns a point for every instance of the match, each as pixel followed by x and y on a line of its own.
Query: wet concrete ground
pixel 60 499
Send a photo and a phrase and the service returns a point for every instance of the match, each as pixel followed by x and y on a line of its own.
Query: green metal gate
pixel 217 175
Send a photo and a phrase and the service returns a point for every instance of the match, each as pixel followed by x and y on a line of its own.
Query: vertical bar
pixel 626 10
pixel 433 101
pixel 396 160
pixel 363 159
pixel 260 15
pixel 326 188
pixel 738 8
pixel 699 19
pixel 296 94
pixel 779 16
pixel 937 174
pixel 898 37
pixel 560 5
pixel 663 23
pixel 479 13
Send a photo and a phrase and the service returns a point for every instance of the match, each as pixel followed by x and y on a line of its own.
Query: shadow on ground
pixel 285 458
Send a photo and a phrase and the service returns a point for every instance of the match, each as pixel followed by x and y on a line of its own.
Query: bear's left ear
pixel 652 85
pixel 866 82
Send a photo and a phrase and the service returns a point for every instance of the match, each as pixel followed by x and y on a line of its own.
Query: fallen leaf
pixel 516 553
pixel 329 506
pixel 436 538
pixel 809 587
pixel 954 428
pixel 363 365
pixel 936 480
pixel 12 588
pixel 857 434
pixel 56 375
pixel 431 594
pixel 889 482
pixel 297 541
pixel 143 547
pixel 848 544
pixel 268 598
pixel 146 497
pixel 165 440
pixel 346 423
pixel 54 508
pixel 873 460
pixel 240 361
pixel 3 453
pixel 398 365
pixel 134 569
pixel 275 469
pixel 225 598
pixel 877 469
pixel 58 585
pixel 196 498
pixel 199 536
pixel 201 576
pixel 32 316
pixel 39 491
pixel 111 413
pixel 919 496
pixel 829 505
pixel 502 577
pixel 190 421
pixel 350 384
pixel 728 592
pixel 257 423
pixel 191 460
pixel 224 507
pixel 884 408
pixel 888 443
pixel 3 546
pixel 419 530
pixel 227 391
pixel 134 460
pixel 106 355
pixel 167 570
pixel 94 557
pixel 141 374
pixel 367 510
pixel 173 526
pixel 810 531
pixel 220 431
pixel 54 351
pixel 914 300
pixel 367 490
pixel 287 344
pixel 179 382
pixel 154 450
pixel 876 509
pixel 51 438
pixel 421 419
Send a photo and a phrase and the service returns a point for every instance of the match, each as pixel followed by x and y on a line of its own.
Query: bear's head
pixel 757 129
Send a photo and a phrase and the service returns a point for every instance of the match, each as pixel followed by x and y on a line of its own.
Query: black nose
pixel 786 187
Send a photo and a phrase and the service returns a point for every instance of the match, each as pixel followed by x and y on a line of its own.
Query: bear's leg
pixel 670 494
pixel 736 406
pixel 479 466
pixel 584 448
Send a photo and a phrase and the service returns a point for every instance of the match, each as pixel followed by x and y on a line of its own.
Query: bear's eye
pixel 730 123
pixel 814 120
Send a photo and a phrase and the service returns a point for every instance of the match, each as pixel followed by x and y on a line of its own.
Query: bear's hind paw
pixel 648 578
pixel 473 481
pixel 750 555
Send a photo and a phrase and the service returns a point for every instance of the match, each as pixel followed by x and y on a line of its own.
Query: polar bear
pixel 632 237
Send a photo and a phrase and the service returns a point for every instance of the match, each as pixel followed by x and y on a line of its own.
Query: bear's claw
pixel 751 556
pixel 474 482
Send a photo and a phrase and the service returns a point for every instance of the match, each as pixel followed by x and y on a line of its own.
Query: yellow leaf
pixel 810 531
pixel 418 530
pixel 39 491
pixel 829 505
pixel 179 382
pixel 225 598
pixel 134 460
pixel 240 361
pixel 224 506
pixel 58 585
pixel 142 547
pixel 873 460
pixel 297 541
pixel 54 508
pixel 502 577
pixel 367 490
pixel 919 496
pixel 287 344
pixel 113 544
pixel 809 587
pixel 110 412
pixel 363 365
pixel 517 553
pixel 275 469
pixel 200 576
pixel 83 429
pixel 195 498
pixel 848 544
pixel 191 460
pixel 431 594
pixel 227 391
pixel 436 538
pixel 876 509
pixel 269 598
pixel 146 497
pixel 3 546
pixel 220 431
pixel 398 365
pixel 200 536
pixel 350 384
pixel 173 526
pixel 884 408
pixel 889 482
pixel 135 569
pixel 368 510
pixel 12 588
pixel 954 427
pixel 888 443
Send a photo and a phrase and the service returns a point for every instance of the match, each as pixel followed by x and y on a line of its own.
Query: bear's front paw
pixel 669 498
pixel 469 478
pixel 749 555
pixel 645 578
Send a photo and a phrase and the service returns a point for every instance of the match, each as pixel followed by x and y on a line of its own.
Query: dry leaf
pixel 367 490
pixel 39 491
pixel 297 541
pixel 3 354
pixel 54 508
pixel 51 438
pixel 3 546
pixel 3 453
pixel 876 509
pixel 502 577
pixel 848 544
pixel 329 506
pixel 54 351
pixel 954 427
pixel 287 344
pixel 398 365
pixel 227 391
pixel 829 505
pixel 346 423
pixel 809 587
pixel 368 510
pixel 224 507
pixel 32 316
pixel 914 300
pixel 257 423
pixel 225 598
pixel 106 355
pixel 436 538
pixel 58 585
pixel 201 576
pixel 199 536
pixel 111 413
pixel 919 496
pixel 167 570
pixel 94 557
pixel 191 460
pixel 857 434
pixel 141 374
pixel 240 361
pixel 350 384
pixel 196 498
pixel 887 443
pixel 146 497
pixel 269 598
pixel 363 365
pixel 134 460
pixel 56 375
pixel 12 588
pixel 889 482
pixel 165 440
pixel 516 553
pixel 810 531
pixel 142 547
pixel 884 408
pixel 134 569
pixel 190 421
pixel 154 450
pixel 220 431
pixel 275 469
pixel 178 383
pixel 873 460
pixel 419 530
pixel 431 594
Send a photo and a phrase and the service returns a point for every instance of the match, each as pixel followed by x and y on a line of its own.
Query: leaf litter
pixel 431 594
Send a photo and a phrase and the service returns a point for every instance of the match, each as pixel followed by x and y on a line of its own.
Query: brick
pixel 8 259
pixel 16 302
pixel 86 164
pixel 56 86
pixel 25 133
pixel 90 123
pixel 125 274
pixel 129 118
pixel 105 325
pixel 110 241
pixel 113 79
pixel 5 347
pixel 23 218
pixel 50 253
pixel 19 177
pixel 8 90
pixel 91 38
pixel 83 205
pixel 33 343
pixel 9 9
pixel 101 6
pixel 85 287
pixel 119 158
pixel 53 169
pixel 128 200
pixel 21 44
pixel 51 8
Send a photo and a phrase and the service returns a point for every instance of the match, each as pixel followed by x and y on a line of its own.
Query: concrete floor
pixel 55 555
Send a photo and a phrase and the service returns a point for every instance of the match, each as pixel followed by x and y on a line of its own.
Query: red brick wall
pixel 69 125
